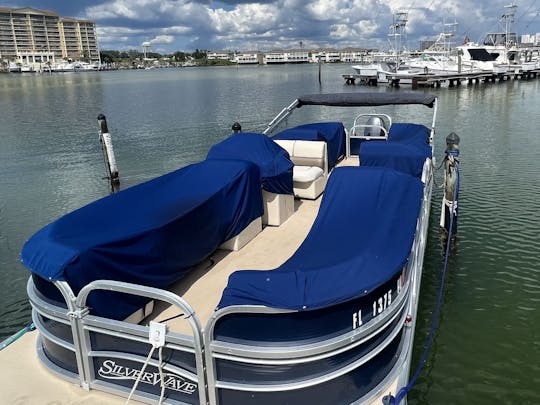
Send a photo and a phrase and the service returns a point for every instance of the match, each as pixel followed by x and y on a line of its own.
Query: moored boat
pixel 317 307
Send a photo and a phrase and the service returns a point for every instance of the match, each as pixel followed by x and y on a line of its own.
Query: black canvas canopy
pixel 362 99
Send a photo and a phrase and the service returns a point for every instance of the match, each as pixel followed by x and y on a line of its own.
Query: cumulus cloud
pixel 162 39
pixel 118 37
pixel 270 24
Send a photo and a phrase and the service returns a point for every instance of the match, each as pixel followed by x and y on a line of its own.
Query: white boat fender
pixel 451 186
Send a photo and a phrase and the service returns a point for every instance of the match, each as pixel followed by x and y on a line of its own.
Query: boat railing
pixel 299 360
pixel 367 129
pixel 282 116
pixel 385 118
pixel 322 348
pixel 108 352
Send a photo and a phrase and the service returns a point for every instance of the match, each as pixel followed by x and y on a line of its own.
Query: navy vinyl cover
pixel 331 132
pixel 275 166
pixel 405 150
pixel 362 237
pixel 150 234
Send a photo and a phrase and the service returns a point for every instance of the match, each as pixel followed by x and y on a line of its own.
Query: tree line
pixel 133 56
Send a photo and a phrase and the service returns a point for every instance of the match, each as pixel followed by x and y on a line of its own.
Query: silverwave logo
pixel 112 371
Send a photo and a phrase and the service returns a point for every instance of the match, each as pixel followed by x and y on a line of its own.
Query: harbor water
pixel 487 344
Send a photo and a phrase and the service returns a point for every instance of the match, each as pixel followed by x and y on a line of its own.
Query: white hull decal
pixel 112 371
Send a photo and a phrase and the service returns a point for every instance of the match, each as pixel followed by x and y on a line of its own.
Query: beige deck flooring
pixel 203 287
pixel 25 381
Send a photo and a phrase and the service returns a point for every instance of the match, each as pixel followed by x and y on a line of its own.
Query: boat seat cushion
pixel 310 171
pixel 306 153
pixel 306 174
pixel 333 133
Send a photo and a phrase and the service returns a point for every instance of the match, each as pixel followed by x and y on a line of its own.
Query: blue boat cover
pixel 331 132
pixel 405 150
pixel 275 166
pixel 361 238
pixel 150 234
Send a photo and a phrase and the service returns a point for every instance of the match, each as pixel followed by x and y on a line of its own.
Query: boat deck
pixel 24 380
pixel 202 288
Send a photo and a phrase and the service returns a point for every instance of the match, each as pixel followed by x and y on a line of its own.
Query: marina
pixel 467 302
pixel 499 56
pixel 440 79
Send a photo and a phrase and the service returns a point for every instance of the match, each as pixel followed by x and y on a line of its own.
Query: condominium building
pixel 30 36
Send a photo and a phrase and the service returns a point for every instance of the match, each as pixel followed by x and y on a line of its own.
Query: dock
pixel 437 80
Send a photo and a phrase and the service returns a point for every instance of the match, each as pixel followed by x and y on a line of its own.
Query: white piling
pixel 108 153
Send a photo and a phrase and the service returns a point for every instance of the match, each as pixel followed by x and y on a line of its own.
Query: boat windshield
pixel 500 38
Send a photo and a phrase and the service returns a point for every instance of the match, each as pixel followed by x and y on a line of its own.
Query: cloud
pixel 270 24
pixel 118 37
pixel 162 39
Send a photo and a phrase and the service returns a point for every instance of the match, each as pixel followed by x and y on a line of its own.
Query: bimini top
pixel 150 234
pixel 362 99
pixel 361 238
pixel 275 166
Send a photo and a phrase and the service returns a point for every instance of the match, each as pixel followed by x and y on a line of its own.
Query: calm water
pixel 487 347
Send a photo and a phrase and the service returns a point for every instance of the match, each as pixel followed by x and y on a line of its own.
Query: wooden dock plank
pixel 435 79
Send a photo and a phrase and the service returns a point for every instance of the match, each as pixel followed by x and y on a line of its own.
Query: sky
pixel 246 25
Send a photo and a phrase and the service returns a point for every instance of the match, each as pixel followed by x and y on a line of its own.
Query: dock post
pixel 319 57
pixel 108 153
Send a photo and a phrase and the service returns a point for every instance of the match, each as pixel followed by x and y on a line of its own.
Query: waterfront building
pixel 248 58
pixel 286 56
pixel 297 56
pixel 31 36
pixel 327 55
pixel 274 57
pixel 213 55
pixel 353 55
